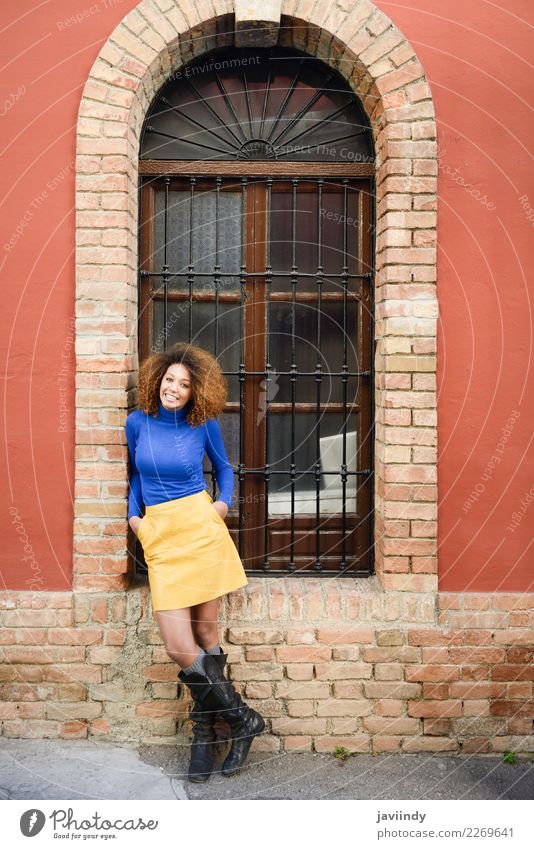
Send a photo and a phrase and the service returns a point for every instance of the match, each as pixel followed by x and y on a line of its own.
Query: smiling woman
pixel 192 560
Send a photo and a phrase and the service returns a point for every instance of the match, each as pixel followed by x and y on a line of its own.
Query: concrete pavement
pixel 86 769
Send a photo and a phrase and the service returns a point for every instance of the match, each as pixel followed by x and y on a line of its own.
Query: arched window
pixel 256 222
pixel 261 105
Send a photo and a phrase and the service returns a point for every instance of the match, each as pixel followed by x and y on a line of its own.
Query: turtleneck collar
pixel 172 416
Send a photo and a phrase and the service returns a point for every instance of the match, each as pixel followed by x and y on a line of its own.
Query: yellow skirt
pixel 190 555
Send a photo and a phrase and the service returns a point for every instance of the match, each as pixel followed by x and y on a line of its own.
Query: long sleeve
pixel 224 474
pixel 135 498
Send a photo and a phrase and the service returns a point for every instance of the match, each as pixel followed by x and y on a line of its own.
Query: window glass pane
pixel 201 241
pixel 306 353
pixel 329 430
pixel 339 231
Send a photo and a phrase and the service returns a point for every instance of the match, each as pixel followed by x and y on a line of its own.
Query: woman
pixel 191 558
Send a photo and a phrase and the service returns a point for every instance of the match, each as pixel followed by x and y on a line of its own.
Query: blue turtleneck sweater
pixel 166 456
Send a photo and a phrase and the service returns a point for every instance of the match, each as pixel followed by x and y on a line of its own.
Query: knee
pixel 206 634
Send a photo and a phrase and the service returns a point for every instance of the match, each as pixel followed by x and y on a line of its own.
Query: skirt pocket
pixel 212 511
pixel 141 532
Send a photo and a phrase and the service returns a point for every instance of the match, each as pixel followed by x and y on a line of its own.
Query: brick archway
pixel 152 41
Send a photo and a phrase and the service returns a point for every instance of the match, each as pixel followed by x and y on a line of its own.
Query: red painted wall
pixel 475 56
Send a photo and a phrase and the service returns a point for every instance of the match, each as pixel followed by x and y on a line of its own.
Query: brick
pixel 75 636
pixel 259 690
pixel 511 672
pixel 474 673
pixel 302 654
pixel 302 690
pixel 519 655
pixel 474 654
pixel 258 653
pixel 388 725
pixel 389 707
pixel 256 671
pixel 390 638
pixel 33 729
pixel 476 707
pixel 344 707
pixel 437 727
pixel 518 690
pixel 347 689
pixel 74 730
pixel 355 743
pixel 434 654
pixel 520 726
pixel 245 636
pixel 105 654
pixel 299 671
pixel 71 672
pixel 410 583
pixel 429 744
pixel 475 745
pixel 344 725
pixel 346 653
pixel 469 726
pixel 300 708
pixel 26 692
pixel 43 654
pixel 436 691
pixel 389 671
pixel 161 672
pixel 335 671
pixel 76 710
pixel 409 654
pixel 512 708
pixel 441 708
pixel 289 725
pixel 298 636
pixel 515 744
pixel 27 710
pixel 340 636
pixel 36 618
pixel 437 637
pixel 391 690
pixel 298 744
pixel 426 672
pixel 386 744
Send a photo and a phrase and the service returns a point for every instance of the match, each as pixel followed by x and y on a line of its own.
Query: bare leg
pixel 204 624
pixel 177 633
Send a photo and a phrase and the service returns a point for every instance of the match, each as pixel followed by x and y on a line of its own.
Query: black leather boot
pixel 245 723
pixel 221 697
pixel 204 737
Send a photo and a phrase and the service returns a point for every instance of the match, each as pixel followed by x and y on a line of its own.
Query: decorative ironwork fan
pixel 257 104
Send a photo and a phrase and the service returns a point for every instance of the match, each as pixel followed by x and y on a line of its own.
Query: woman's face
pixel 176 387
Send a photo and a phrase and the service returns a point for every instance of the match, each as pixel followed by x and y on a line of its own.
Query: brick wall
pixel 333 663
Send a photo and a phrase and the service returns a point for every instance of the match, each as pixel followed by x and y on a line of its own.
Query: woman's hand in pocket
pixel 134 523
pixel 221 508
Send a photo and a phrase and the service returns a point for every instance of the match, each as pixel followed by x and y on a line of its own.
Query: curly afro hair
pixel 209 386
